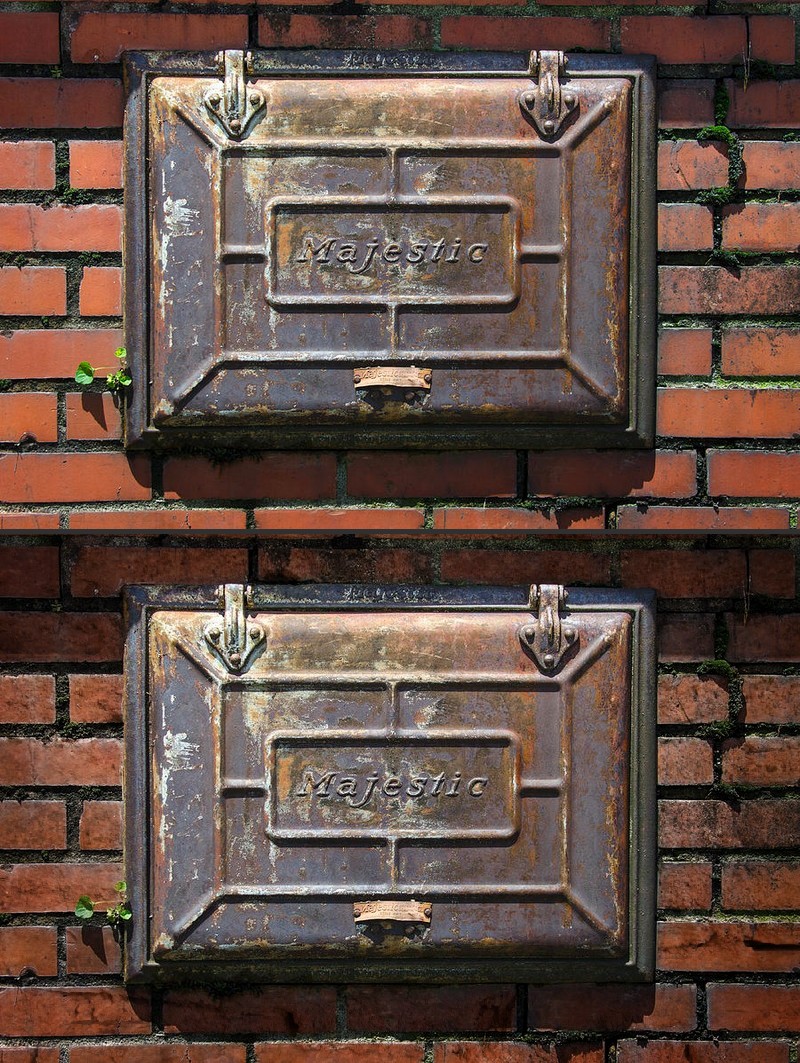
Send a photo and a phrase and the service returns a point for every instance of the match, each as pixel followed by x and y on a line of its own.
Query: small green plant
pixel 116 380
pixel 116 916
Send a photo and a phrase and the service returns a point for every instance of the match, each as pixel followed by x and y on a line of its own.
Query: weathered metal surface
pixel 390 747
pixel 303 222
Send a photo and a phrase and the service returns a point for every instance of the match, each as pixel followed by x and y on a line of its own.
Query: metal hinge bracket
pixel 232 103
pixel 545 637
pixel 547 105
pixel 234 640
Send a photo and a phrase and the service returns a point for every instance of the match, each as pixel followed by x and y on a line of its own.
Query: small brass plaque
pixel 392 912
pixel 392 376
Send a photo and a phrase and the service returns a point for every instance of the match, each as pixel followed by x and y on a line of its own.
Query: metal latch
pixel 234 640
pixel 546 638
pixel 547 105
pixel 232 104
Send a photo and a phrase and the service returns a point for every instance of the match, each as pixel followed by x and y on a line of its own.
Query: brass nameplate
pixel 392 376
pixel 391 912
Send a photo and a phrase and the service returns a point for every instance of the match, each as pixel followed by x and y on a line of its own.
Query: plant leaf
pixel 121 886
pixel 84 909
pixel 120 352
pixel 84 374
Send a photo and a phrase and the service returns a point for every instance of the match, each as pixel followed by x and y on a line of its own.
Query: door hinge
pixel 235 640
pixel 546 638
pixel 232 103
pixel 548 105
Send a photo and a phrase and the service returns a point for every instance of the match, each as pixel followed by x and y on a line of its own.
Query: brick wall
pixel 726 462
pixel 729 826
pixel 729 348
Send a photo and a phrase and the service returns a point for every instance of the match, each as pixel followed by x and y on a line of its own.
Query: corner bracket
pixel 546 638
pixel 547 106
pixel 234 640
pixel 232 104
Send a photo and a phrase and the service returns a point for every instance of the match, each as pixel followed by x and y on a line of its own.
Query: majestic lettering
pixel 358 256
pixel 358 790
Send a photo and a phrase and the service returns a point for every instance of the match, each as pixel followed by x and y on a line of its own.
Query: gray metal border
pixel 639 965
pixel 139 70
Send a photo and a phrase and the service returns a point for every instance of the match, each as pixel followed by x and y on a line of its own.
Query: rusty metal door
pixel 338 249
pixel 358 783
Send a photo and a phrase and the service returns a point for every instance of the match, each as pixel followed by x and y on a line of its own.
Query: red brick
pixel 756 761
pixel 51 637
pixel 95 698
pixel 101 291
pixel 26 37
pixel 340 1052
pixel 684 352
pixel 685 104
pixel 32 290
pixel 764 638
pixel 28 164
pixel 685 637
pixel 416 1009
pixel 491 474
pixel 27 699
pixel 29 572
pixel 610 474
pixel 101 825
pixel 686 573
pixel 158 520
pixel 93 416
pixel 514 1052
pixel 343 31
pixel 61 103
pixel 80 762
pixel 43 354
pixel 761 351
pixel 715 824
pixel 27 417
pixel 770 164
pixel 73 478
pixel 104 570
pixel 92 950
pixel 29 521
pixel 490 520
pixel 294 564
pixel 66 1011
pixel 27 227
pixel 95 164
pixel 161 1053
pixel 717 290
pixel 487 31
pixel 728 413
pixel 670 1009
pixel 684 762
pixel 685 165
pixel 639 1051
pixel 696 518
pixel 29 1055
pixel 753 1008
pixel 685 227
pixel 760 886
pixel 685 39
pixel 771 699
pixel 504 566
pixel 296 1010
pixel 319 521
pixel 743 473
pixel 722 946
pixel 101 37
pixel 763 104
pixel 761 226
pixel 56 887
pixel 684 886
pixel 691 699
pixel 28 950
pixel 772 572
pixel 33 825
pixel 275 475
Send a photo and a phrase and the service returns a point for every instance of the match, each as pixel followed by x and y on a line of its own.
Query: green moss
pixel 720 196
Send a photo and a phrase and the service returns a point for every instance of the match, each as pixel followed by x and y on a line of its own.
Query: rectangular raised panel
pixel 389 745
pixel 379 214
